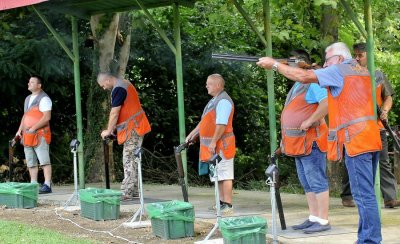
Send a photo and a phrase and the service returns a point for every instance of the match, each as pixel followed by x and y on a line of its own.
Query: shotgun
pixel 294 62
pixel 389 129
pixel 181 174
pixel 269 172
pixel 11 146
pixel 106 151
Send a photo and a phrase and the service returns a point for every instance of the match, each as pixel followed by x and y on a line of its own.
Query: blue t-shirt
pixel 332 78
pixel 223 110
pixel 118 96
pixel 315 93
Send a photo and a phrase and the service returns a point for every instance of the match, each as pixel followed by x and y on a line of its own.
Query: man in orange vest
pixel 130 121
pixel 35 132
pixel 304 137
pixel 384 93
pixel 353 128
pixel 216 136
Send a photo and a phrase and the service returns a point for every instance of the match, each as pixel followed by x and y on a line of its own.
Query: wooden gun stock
pixel 11 146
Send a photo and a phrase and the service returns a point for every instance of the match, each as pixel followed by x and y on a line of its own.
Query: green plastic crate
pixel 100 204
pixel 250 238
pixel 243 230
pixel 171 220
pixel 17 201
pixel 172 229
pixel 19 195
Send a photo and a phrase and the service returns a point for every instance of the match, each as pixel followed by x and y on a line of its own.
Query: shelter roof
pixel 86 8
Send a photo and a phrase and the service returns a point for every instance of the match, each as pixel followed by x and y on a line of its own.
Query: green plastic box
pixel 19 195
pixel 100 204
pixel 243 230
pixel 171 220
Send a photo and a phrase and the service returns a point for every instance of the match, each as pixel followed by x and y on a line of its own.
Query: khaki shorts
pixel 224 170
pixel 41 153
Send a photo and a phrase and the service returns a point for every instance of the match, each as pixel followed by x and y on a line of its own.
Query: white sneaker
pixel 226 210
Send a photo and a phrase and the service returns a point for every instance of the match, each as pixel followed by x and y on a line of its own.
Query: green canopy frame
pixel 86 8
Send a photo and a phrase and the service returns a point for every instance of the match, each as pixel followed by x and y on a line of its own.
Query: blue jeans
pixel 311 170
pixel 362 170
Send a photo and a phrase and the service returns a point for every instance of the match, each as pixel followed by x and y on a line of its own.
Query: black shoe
pixel 303 225
pixel 316 227
pixel 45 189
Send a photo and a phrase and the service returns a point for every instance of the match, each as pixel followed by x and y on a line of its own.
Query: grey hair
pixel 217 77
pixel 339 48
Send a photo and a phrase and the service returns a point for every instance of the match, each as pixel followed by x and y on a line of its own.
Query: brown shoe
pixel 348 203
pixel 392 203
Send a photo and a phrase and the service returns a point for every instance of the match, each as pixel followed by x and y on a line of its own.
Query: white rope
pixel 99 231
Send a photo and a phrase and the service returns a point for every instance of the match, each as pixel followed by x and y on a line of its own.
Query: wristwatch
pixel 275 66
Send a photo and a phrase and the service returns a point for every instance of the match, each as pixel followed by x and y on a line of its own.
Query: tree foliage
pixel 26 47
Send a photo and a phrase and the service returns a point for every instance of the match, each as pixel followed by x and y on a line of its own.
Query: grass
pixel 13 233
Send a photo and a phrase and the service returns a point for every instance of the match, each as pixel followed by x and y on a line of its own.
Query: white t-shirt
pixel 44 105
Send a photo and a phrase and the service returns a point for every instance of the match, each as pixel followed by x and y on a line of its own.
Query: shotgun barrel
pixel 293 62
pixel 245 58
pixel 11 146
pixel 181 174
pixel 389 129
pixel 273 168
pixel 178 157
pixel 106 152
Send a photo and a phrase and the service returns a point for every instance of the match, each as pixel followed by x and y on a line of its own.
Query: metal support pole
pixel 354 18
pixel 270 79
pixel 77 81
pixel 158 28
pixel 249 22
pixel 179 85
pixel 54 33
pixel 214 175
pixel 371 68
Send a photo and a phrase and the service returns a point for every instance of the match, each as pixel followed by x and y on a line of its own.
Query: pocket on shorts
pixel 30 139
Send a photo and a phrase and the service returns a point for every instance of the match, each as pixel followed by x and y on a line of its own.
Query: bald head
pixel 215 84
pixel 218 79
pixel 106 80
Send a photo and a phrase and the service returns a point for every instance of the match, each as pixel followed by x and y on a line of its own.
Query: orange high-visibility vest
pixel 352 123
pixel 32 115
pixel 296 142
pixel 226 143
pixel 131 116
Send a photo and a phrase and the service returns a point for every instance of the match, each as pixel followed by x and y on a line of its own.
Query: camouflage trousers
pixel 129 185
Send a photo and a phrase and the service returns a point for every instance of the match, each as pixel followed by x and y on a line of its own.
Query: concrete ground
pixel 344 221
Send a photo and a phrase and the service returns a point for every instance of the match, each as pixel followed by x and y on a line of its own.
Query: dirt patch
pixel 45 216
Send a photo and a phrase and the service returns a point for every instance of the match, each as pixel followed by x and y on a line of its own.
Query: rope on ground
pixel 99 231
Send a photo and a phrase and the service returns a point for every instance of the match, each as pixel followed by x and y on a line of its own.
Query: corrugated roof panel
pixel 85 8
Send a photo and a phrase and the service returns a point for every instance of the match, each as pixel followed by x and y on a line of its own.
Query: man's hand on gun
pixel 192 137
pixel 384 114
pixel 106 133
pixel 15 140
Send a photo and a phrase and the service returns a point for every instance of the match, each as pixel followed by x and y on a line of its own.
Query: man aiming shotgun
pixel 384 101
